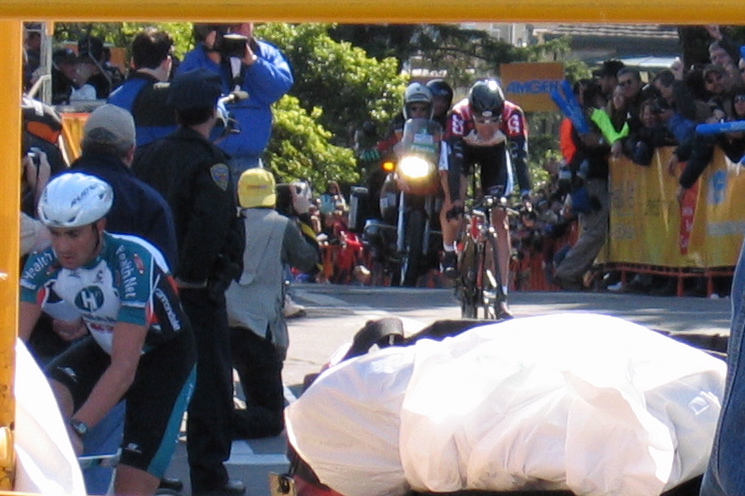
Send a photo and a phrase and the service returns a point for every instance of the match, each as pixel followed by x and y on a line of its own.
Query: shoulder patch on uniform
pixel 221 175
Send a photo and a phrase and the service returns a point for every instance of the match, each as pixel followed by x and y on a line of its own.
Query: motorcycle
pixel 405 240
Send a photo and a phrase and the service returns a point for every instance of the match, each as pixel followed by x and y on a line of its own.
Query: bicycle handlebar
pixel 488 203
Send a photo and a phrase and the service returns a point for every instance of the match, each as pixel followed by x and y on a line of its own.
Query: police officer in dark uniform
pixel 191 173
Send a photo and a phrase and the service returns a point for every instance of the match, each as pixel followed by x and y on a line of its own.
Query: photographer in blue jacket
pixel 247 64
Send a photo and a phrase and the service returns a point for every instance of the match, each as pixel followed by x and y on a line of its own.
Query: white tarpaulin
pixel 584 402
pixel 46 463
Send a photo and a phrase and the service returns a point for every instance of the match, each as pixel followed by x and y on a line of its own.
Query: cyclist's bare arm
pixel 115 381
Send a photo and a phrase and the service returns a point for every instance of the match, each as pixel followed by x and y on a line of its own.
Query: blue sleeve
pixel 270 77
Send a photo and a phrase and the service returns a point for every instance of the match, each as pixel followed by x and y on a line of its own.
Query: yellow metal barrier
pixel 357 11
pixel 10 116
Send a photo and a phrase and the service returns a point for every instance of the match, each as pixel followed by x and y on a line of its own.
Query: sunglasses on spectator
pixel 739 99
pixel 486 120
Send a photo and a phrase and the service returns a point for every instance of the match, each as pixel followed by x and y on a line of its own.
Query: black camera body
pixel 231 45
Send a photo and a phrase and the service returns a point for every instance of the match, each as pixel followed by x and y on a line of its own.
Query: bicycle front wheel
pixel 492 294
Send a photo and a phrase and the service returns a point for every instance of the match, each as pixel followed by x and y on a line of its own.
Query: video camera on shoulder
pixel 231 44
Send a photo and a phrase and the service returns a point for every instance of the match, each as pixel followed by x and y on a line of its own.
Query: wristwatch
pixel 80 427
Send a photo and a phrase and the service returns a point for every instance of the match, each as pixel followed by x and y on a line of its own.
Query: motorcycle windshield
pixel 421 137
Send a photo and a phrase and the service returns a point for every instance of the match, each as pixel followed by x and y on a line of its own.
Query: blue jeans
pixel 725 474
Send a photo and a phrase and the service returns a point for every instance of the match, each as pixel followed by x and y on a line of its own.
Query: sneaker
pixel 292 310
pixel 449 264
pixel 615 287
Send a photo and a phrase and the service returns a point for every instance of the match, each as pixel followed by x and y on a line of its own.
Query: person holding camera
pixel 258 329
pixel 35 173
pixel 247 64
pixel 192 174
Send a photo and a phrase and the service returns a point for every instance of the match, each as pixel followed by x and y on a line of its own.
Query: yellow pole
pixel 10 138
pixel 392 11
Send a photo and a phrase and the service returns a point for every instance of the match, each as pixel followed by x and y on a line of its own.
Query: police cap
pixel 199 88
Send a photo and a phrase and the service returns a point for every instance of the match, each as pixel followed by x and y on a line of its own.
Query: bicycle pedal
pixel 106 461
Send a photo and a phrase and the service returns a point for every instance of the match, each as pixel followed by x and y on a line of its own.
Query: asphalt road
pixel 335 313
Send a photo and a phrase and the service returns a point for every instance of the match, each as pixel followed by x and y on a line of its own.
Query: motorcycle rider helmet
pixel 74 200
pixel 440 88
pixel 417 93
pixel 486 99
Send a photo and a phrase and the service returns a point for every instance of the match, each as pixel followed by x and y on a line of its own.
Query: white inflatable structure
pixel 589 403
pixel 45 461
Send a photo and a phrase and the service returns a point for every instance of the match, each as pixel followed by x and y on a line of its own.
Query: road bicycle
pixel 479 283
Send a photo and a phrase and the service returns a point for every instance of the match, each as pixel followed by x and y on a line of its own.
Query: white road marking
pixel 242 454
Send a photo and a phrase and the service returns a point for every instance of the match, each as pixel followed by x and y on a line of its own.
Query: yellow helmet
pixel 256 188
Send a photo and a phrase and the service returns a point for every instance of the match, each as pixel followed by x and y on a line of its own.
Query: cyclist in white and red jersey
pixel 483 129
pixel 141 347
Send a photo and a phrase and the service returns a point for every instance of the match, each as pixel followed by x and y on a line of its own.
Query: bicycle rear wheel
pixel 468 290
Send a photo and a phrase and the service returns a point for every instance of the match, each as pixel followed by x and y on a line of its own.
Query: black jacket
pixel 193 176
pixel 138 209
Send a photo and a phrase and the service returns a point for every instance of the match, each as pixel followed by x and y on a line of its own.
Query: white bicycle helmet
pixel 75 199
pixel 417 93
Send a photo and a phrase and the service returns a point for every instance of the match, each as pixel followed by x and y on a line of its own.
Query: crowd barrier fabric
pixel 649 226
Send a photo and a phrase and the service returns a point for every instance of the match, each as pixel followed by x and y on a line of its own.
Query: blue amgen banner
pixel 529 84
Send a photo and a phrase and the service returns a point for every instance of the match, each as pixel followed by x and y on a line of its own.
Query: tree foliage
pixel 120 34
pixel 300 148
pixel 379 41
pixel 342 79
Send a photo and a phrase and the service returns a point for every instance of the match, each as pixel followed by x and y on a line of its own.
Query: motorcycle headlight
pixel 414 167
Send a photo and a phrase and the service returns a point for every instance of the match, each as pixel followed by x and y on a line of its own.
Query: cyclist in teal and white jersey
pixel 142 347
